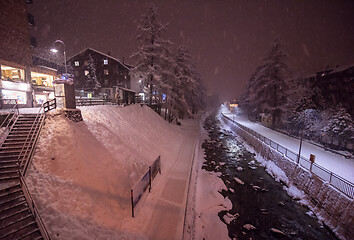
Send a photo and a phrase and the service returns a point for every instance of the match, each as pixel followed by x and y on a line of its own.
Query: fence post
pixel 159 165
pixel 311 167
pixel 132 201
pixel 330 177
pixel 149 178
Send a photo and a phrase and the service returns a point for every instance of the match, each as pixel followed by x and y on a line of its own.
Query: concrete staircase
pixel 17 218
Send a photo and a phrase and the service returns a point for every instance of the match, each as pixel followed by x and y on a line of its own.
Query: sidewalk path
pixel 334 162
pixel 167 218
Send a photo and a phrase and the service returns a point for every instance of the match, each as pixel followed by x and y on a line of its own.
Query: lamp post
pixel 54 50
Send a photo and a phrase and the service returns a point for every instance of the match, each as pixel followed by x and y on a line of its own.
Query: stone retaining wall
pixel 333 207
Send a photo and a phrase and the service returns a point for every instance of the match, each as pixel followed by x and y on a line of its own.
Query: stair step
pixel 11 147
pixel 7 169
pixel 8 178
pixel 18 229
pixel 15 219
pixel 9 190
pixel 35 234
pixel 10 152
pixel 14 206
pixel 11 197
pixel 4 158
pixel 12 201
pixel 16 141
pixel 14 211
pixel 8 164
pixel 7 144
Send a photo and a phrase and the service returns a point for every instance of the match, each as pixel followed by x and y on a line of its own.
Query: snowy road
pixel 334 162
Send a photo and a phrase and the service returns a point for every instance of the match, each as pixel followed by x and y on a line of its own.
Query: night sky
pixel 227 39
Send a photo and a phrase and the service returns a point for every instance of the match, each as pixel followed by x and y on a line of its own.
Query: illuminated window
pixel 86 72
pixel 105 72
pixel 9 97
pixel 12 74
pixel 77 63
pixel 105 61
pixel 40 79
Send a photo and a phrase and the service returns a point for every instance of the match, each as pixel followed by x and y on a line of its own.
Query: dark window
pixel 29 1
pixel 106 82
pixel 33 41
pixel 30 19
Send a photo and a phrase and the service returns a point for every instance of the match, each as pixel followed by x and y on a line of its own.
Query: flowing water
pixel 262 209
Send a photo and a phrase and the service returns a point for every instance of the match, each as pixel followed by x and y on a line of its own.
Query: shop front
pixel 13 87
pixel 42 85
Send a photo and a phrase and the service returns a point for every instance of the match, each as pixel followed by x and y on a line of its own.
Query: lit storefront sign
pixel 9 96
pixel 15 86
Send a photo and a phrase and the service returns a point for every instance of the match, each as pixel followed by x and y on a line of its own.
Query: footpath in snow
pixel 333 162
pixel 82 173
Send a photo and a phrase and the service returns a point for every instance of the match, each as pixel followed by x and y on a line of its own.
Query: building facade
pixel 336 86
pixel 112 75
pixel 23 80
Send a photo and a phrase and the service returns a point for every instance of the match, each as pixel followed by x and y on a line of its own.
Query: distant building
pixel 336 85
pixel 112 74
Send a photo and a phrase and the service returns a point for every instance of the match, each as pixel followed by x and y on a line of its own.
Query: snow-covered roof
pixel 106 55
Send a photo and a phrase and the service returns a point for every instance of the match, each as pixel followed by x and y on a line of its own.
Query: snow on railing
pixel 335 180
pixel 140 187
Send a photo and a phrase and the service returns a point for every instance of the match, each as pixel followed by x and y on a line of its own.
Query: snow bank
pixel 81 173
pixel 209 202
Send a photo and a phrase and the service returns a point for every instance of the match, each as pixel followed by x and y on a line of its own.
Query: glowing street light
pixel 54 50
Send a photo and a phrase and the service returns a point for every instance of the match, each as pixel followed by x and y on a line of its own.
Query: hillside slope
pixel 81 174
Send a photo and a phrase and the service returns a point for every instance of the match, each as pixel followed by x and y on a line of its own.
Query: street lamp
pixel 54 50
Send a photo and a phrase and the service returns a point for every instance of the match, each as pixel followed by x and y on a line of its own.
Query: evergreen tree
pixel 340 125
pixel 92 83
pixel 153 56
pixel 267 87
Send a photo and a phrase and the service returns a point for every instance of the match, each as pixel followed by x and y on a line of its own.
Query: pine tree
pixel 340 125
pixel 153 56
pixel 267 87
pixel 92 83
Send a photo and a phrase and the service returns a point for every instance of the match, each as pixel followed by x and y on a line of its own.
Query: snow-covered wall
pixel 330 205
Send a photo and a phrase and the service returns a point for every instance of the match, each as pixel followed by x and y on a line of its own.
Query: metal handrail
pixel 33 207
pixel 39 117
pixel 349 191
pixel 14 110
pixel 49 105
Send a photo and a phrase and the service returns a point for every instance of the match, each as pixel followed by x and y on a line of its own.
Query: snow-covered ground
pixel 334 162
pixel 208 201
pixel 81 174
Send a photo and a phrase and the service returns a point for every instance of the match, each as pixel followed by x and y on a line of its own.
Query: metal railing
pixel 144 183
pixel 10 117
pixel 93 102
pixel 333 179
pixel 50 105
pixel 34 209
pixel 32 137
pixel 26 154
